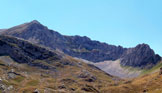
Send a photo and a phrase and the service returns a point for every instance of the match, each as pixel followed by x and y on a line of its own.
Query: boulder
pixel 160 71
pixel 87 76
pixel 36 91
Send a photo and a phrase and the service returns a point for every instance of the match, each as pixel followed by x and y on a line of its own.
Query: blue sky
pixel 117 22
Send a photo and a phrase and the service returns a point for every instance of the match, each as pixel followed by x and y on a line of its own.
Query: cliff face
pixel 84 47
pixel 140 56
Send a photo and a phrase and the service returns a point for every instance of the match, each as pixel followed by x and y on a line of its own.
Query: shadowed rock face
pixel 25 52
pixel 84 47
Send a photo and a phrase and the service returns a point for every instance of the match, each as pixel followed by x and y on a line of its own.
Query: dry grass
pixel 151 83
pixel 35 78
pixel 65 80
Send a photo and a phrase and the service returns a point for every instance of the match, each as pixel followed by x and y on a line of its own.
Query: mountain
pixel 34 59
pixel 29 68
pixel 83 47
pixel 26 67
pixel 72 45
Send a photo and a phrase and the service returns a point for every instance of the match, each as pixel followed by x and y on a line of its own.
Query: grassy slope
pixel 149 80
pixel 152 70
pixel 151 83
pixel 63 81
pixel 144 71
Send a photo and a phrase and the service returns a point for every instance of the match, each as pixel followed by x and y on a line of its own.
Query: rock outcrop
pixel 24 52
pixel 140 56
pixel 160 73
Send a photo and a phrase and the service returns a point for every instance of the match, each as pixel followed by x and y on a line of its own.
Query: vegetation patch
pixel 18 79
pixel 33 83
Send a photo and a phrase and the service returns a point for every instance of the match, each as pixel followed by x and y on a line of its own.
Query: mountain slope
pixel 24 52
pixel 114 68
pixel 150 83
pixel 25 67
pixel 73 45
pixel 82 47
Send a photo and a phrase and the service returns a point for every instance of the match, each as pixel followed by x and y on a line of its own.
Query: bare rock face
pixel 140 56
pixel 12 75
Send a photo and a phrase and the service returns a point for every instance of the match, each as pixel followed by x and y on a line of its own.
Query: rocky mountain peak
pixel 140 56
pixel 35 25
pixel 145 46
pixel 26 28
pixel 35 22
